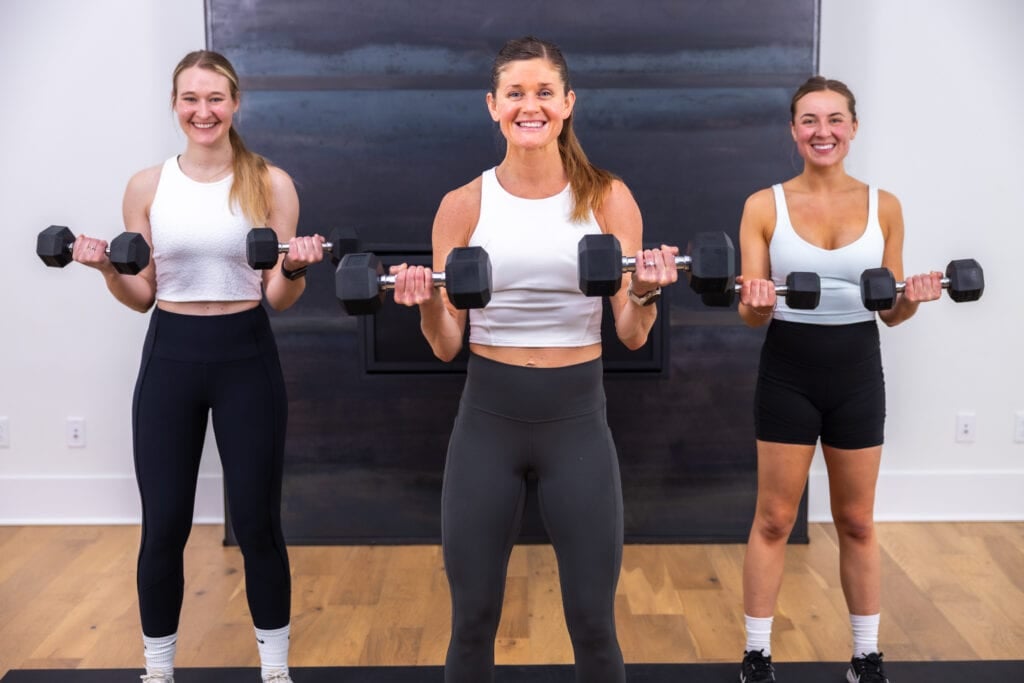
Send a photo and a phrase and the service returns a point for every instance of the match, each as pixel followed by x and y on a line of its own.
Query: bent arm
pixel 442 324
pixel 137 292
pixel 281 292
pixel 757 295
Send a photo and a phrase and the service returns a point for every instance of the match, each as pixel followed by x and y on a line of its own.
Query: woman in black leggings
pixel 209 350
pixel 534 399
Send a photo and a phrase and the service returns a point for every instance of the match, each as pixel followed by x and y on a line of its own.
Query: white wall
pixel 939 99
pixel 939 95
pixel 87 86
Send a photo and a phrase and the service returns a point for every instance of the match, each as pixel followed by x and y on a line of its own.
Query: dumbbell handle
pixel 388 281
pixel 70 248
pixel 901 286
pixel 283 248
pixel 629 263
pixel 779 289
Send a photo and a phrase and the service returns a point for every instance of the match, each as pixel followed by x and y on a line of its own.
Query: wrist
pixel 642 298
pixel 292 274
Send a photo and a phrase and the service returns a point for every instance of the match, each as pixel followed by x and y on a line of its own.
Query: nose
pixel 530 103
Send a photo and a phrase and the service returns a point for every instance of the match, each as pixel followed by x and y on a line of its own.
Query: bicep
pixel 284 212
pixel 890 216
pixel 620 216
pixel 754 253
pixel 454 223
pixel 284 205
pixel 138 197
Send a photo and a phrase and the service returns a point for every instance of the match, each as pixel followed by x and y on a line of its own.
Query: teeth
pixel 204 125
pixel 530 124
pixel 823 147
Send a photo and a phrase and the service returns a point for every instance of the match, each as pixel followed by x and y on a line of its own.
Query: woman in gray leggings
pixel 534 399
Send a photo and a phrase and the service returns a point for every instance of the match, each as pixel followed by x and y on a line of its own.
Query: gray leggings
pixel 552 422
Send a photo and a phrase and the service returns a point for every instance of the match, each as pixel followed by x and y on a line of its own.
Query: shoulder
pixel 145 181
pixel 462 203
pixel 279 179
pixel 890 215
pixel 618 196
pixel 761 204
pixel 459 211
pixel 888 203
pixel 618 203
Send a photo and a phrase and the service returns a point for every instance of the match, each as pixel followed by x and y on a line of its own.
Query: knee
pixel 774 523
pixel 256 531
pixel 854 525
pixel 590 630
pixel 475 622
pixel 165 536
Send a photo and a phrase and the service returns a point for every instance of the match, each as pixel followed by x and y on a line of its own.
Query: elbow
pixel 634 343
pixel 142 306
pixel 446 355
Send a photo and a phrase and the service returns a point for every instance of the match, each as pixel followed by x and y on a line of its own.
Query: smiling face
pixel 823 127
pixel 204 105
pixel 530 103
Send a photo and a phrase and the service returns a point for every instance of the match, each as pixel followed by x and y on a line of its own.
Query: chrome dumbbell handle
pixel 388 281
pixel 681 263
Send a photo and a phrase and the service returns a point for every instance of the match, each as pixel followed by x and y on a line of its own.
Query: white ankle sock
pixel 159 653
pixel 273 647
pixel 865 633
pixel 759 634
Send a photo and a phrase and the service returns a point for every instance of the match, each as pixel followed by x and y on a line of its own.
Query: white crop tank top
pixel 199 241
pixel 535 297
pixel 839 269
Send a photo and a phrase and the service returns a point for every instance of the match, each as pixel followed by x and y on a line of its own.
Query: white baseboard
pixel 909 496
pixel 933 496
pixel 110 499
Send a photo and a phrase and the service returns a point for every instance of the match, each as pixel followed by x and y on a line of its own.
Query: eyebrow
pixel 193 92
pixel 519 85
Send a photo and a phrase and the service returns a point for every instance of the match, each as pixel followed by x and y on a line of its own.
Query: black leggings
pixel 552 422
pixel 192 365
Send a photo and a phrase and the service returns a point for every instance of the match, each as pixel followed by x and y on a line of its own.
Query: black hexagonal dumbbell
pixel 802 291
pixel 128 252
pixel 360 282
pixel 964 279
pixel 262 247
pixel 710 262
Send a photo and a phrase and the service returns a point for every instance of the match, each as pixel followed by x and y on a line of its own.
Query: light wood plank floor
pixel 67 599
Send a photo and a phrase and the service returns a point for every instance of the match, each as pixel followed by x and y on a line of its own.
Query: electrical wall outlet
pixel 1018 426
pixel 965 427
pixel 5 432
pixel 76 432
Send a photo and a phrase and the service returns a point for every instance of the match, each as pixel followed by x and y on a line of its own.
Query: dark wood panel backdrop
pixel 376 108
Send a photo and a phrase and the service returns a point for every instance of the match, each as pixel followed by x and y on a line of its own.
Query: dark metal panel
pixel 376 108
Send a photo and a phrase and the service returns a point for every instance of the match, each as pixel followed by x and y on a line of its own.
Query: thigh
pixel 786 407
pixel 482 502
pixel 169 428
pixel 855 418
pixel 580 494
pixel 852 479
pixel 782 470
pixel 249 422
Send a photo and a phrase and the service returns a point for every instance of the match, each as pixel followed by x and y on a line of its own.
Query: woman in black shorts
pixel 821 371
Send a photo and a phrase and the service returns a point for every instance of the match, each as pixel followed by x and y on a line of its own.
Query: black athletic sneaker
pixel 756 668
pixel 867 669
